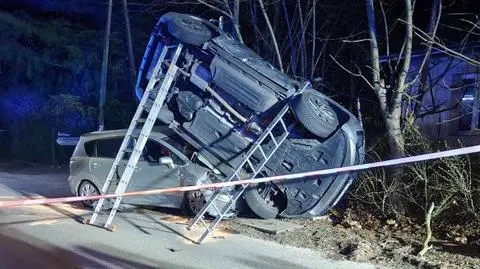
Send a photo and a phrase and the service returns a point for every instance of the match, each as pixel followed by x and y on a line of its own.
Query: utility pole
pixel 103 78
pixel 131 59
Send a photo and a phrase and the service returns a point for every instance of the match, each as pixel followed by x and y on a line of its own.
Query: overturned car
pixel 227 101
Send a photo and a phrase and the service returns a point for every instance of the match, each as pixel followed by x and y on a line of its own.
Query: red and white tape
pixel 354 168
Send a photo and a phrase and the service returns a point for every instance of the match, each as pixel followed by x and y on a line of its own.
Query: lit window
pixel 469 118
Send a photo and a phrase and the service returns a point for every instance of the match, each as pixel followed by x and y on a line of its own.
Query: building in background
pixel 447 106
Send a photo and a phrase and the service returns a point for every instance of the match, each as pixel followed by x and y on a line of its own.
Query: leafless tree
pixel 131 59
pixel 103 78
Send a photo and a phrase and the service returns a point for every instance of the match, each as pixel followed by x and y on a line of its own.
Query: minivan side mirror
pixel 167 161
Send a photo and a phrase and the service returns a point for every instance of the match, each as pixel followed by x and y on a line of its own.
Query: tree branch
pixel 274 39
pixel 375 58
pixel 426 246
pixel 402 75
pixel 215 8
pixel 352 73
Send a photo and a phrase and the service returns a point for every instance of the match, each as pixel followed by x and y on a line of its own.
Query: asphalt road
pixel 53 237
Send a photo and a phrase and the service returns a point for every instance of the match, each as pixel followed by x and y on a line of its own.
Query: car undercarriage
pixel 226 99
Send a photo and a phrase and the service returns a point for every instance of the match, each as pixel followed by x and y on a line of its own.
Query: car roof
pixel 159 132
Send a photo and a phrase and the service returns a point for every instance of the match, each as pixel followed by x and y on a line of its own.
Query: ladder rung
pixel 273 139
pixel 229 196
pixel 204 224
pixel 141 120
pixel 283 124
pixel 251 166
pixel 216 209
pixel 263 152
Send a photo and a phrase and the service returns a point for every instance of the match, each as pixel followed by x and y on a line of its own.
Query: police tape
pixel 346 169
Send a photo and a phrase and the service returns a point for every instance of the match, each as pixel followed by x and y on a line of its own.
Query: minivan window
pixel 90 148
pixel 154 150
pixel 181 145
pixel 108 148
pixel 104 148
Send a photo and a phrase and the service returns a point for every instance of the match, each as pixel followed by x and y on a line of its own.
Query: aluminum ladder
pixel 247 164
pixel 142 137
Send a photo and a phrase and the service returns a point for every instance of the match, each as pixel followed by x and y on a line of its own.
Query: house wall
pixel 445 76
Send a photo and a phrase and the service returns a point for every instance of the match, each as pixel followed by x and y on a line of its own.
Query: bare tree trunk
pixel 396 140
pixel 314 39
pixel 374 54
pixel 303 48
pixel 272 33
pixel 391 109
pixel 290 38
pixel 236 18
pixel 131 59
pixel 432 29
pixel 103 78
pixel 236 10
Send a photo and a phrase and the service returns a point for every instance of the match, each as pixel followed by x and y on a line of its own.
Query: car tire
pixel 87 188
pixel 189 29
pixel 257 203
pixel 315 113
pixel 193 202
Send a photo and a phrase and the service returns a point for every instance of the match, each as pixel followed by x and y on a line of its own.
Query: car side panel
pixel 79 170
pixel 99 169
pixel 150 176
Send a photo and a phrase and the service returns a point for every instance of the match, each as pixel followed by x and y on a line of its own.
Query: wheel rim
pixel 268 192
pixel 321 109
pixel 87 189
pixel 196 201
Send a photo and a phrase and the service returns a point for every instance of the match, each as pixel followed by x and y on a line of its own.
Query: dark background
pixel 51 53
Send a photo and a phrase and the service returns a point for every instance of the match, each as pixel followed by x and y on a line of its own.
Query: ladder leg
pixel 97 210
pixel 217 220
pixel 112 212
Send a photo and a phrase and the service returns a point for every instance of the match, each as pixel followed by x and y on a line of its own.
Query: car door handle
pixel 96 165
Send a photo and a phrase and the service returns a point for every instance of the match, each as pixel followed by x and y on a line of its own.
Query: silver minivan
pixel 163 164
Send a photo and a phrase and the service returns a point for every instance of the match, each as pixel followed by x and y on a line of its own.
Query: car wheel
pixel 189 29
pixel 193 202
pixel 87 188
pixel 265 200
pixel 315 113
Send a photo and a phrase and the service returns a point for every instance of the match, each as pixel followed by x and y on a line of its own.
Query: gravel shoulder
pixel 389 246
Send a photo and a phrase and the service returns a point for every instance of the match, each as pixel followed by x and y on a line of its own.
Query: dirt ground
pixel 389 246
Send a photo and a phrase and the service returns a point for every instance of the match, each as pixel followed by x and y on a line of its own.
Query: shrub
pixel 450 183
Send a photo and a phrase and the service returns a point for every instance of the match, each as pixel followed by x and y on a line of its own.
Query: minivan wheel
pixel 189 29
pixel 193 202
pixel 87 188
pixel 315 113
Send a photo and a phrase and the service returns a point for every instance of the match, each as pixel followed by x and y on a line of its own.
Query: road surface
pixel 52 237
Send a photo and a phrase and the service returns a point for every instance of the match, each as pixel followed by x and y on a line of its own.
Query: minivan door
pixel 152 174
pixel 105 151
